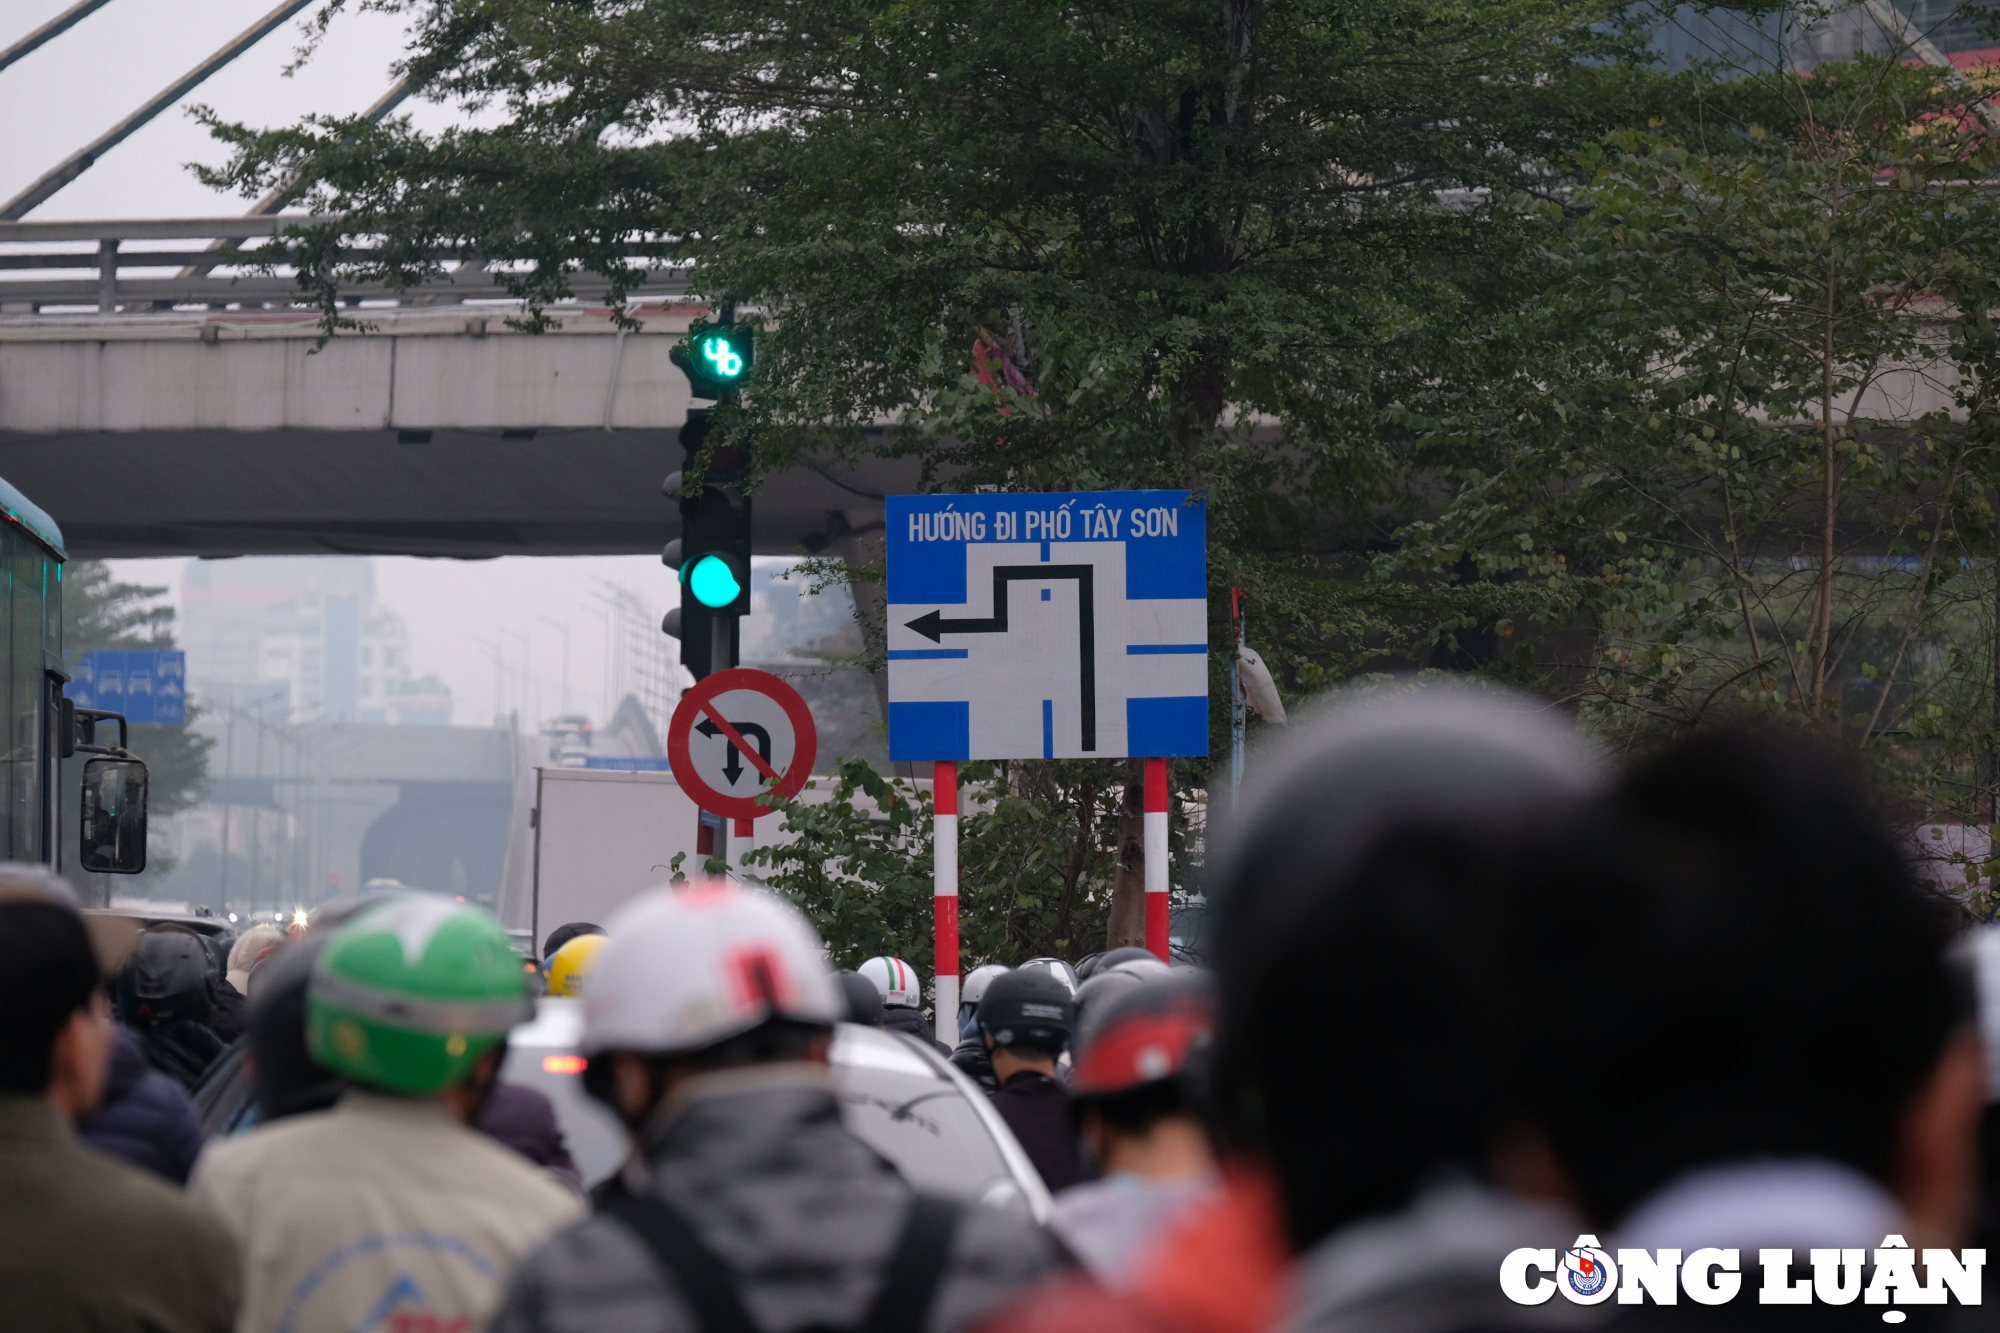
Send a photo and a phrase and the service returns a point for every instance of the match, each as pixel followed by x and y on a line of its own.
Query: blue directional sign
pixel 148 687
pixel 1050 626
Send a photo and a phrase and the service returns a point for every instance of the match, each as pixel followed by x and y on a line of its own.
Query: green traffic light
pixel 713 582
pixel 727 361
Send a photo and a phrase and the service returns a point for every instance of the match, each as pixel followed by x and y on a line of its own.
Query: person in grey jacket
pixel 749 1204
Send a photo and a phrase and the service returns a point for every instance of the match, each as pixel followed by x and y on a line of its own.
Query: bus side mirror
pixel 114 817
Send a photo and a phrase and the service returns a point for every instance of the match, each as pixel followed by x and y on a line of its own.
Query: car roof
pixel 202 925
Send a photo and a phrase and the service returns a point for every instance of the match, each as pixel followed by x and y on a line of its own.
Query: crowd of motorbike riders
pixel 1469 986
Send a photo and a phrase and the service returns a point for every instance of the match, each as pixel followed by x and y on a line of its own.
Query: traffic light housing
pixel 712 556
pixel 717 359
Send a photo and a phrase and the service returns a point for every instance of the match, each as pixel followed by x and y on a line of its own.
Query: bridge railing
pixel 86 265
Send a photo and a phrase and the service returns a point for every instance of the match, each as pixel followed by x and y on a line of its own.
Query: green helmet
pixel 408 995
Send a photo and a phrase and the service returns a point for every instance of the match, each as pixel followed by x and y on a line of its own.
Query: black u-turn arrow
pixel 732 763
pixel 933 626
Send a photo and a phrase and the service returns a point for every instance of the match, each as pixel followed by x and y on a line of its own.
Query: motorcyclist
pixel 1096 994
pixel 86 1242
pixel 562 935
pixel 166 993
pixel 902 999
pixel 1059 969
pixel 570 963
pixel 1134 1091
pixel 1372 1185
pixel 970 1055
pixel 864 1002
pixel 1026 1019
pixel 388 1210
pixel 750 1205
pixel 144 1118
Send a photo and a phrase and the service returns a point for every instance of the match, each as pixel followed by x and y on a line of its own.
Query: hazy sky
pixel 461 611
pixel 92 76
pixel 83 82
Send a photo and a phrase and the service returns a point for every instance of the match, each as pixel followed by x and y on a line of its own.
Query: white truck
pixel 601 835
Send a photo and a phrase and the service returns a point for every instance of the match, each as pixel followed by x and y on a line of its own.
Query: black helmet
pixel 864 1002
pixel 1124 953
pixel 1094 996
pixel 167 977
pixel 566 932
pixel 1029 1006
pixel 1361 883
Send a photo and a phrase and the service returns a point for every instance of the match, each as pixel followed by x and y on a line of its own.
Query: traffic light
pixel 713 552
pixel 716 359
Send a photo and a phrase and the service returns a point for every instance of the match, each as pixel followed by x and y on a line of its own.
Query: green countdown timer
pixel 724 360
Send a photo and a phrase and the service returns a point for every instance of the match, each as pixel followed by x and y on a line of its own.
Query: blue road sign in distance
pixel 149 687
pixel 1050 626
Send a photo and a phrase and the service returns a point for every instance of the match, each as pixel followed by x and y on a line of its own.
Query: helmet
pixel 571 964
pixel 864 1002
pixel 691 965
pixel 563 934
pixel 1148 966
pixel 977 980
pixel 1096 995
pixel 1056 967
pixel 897 980
pixel 1028 1006
pixel 1145 1036
pixel 1124 953
pixel 970 994
pixel 167 977
pixel 410 994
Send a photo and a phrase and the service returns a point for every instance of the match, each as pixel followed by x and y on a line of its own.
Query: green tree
pixel 1756 468
pixel 1223 246
pixel 1231 246
pixel 1037 851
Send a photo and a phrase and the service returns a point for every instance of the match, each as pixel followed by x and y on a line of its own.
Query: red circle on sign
pixel 693 707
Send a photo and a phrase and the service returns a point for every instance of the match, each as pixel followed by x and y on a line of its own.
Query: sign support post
pixel 1156 857
pixel 944 895
pixel 1046 626
pixel 733 724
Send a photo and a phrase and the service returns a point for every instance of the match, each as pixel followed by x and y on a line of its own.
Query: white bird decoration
pixel 1258 687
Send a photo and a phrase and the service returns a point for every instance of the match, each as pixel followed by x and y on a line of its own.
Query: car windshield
pixel 916 1116
pixel 893 1097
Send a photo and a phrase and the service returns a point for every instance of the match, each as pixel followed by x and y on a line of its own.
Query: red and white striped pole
pixel 1156 857
pixel 944 895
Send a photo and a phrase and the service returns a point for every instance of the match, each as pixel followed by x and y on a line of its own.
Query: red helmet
pixel 1146 1036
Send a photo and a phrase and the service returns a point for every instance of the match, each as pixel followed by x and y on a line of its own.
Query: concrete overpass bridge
pixel 159 403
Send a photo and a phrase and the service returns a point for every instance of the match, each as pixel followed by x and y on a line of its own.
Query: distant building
pixel 305 637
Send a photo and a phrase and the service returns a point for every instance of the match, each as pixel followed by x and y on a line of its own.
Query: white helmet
pixel 688 966
pixel 976 982
pixel 897 980
pixel 1062 971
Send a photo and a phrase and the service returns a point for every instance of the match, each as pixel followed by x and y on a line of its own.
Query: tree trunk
pixel 1830 504
pixel 858 539
pixel 1127 923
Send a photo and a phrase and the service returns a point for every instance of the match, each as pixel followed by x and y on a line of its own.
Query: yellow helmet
pixel 571 964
